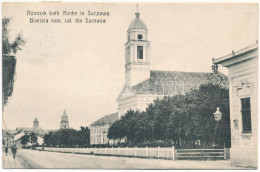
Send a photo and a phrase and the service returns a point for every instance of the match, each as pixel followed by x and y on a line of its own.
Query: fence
pixel 202 154
pixel 160 153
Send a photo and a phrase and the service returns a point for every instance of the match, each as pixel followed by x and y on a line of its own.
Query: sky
pixel 80 66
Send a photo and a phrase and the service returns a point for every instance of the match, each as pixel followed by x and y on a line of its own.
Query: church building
pixel 143 85
pixel 64 123
pixel 35 124
pixel 35 129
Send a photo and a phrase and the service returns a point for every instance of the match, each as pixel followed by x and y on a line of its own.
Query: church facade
pixel 142 85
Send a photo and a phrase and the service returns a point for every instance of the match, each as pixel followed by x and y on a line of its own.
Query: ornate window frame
pixel 243 90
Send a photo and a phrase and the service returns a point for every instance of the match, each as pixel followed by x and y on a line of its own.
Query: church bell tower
pixel 64 123
pixel 35 124
pixel 137 53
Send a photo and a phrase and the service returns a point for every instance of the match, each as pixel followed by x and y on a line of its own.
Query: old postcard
pixel 141 85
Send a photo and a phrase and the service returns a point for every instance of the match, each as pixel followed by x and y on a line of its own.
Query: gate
pixel 202 154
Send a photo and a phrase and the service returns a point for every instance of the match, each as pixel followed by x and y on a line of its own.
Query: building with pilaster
pixel 243 95
pixel 99 129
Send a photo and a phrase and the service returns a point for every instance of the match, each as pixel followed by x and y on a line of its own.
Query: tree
pixel 9 62
pixel 193 114
pixel 34 138
pixel 68 137
pixel 179 119
pixel 132 126
pixel 48 139
pixel 84 136
pixel 116 130
pixel 8 46
pixel 25 139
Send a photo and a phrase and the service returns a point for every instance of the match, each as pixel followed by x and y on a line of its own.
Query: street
pixel 9 162
pixel 43 159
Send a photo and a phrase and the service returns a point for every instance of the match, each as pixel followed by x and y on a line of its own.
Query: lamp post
pixel 217 116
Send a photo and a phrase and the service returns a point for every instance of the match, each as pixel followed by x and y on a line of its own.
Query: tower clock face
pixel 140 36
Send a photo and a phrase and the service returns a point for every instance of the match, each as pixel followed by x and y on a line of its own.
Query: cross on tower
pixel 137 6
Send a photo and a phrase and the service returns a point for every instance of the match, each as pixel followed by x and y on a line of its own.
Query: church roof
pixel 108 119
pixel 36 119
pixel 64 113
pixel 137 23
pixel 175 82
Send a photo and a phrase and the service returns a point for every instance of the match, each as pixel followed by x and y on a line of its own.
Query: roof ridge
pixel 178 71
pixel 102 118
pixel 177 82
pixel 142 82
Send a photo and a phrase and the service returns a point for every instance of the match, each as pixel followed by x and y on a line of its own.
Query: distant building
pixel 142 85
pixel 243 93
pixel 35 129
pixel 64 123
pixel 35 124
pixel 39 132
pixel 8 137
pixel 18 138
pixel 99 129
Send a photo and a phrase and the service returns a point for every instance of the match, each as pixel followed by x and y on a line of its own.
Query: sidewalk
pixel 9 163
pixel 46 159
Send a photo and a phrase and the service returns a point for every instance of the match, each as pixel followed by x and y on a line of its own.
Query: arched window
pixel 139 52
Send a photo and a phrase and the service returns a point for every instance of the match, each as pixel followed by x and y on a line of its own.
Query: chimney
pixel 214 68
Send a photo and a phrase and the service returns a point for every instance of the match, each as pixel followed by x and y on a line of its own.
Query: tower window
pixel 127 54
pixel 139 52
pixel 128 37
pixel 140 36
pixel 246 115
